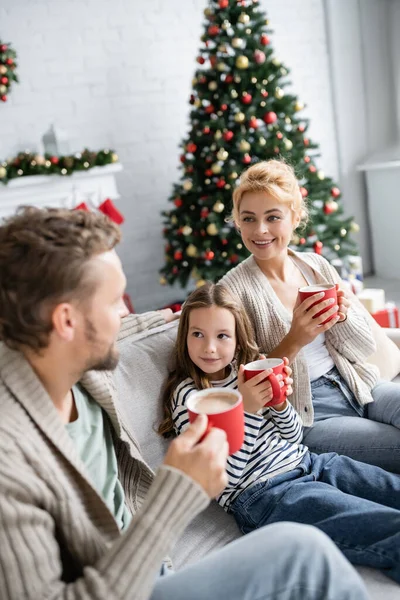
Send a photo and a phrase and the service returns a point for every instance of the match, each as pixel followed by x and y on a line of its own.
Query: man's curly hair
pixel 44 260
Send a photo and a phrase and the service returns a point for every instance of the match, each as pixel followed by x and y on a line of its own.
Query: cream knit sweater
pixel 349 343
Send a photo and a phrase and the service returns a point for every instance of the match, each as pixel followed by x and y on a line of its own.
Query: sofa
pixel 143 367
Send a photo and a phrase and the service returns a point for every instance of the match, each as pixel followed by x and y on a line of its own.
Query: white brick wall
pixel 118 73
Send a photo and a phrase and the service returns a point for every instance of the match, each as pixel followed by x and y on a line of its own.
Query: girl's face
pixel 211 340
pixel 266 225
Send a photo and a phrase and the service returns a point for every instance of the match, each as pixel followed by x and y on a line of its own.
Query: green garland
pixel 29 163
pixel 7 69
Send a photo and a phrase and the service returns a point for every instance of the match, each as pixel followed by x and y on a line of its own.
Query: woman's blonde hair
pixel 210 294
pixel 277 179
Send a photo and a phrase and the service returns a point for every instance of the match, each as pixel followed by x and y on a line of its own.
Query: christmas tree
pixel 242 113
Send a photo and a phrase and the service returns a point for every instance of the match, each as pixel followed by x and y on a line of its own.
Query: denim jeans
pixel 285 561
pixel 370 434
pixel 355 504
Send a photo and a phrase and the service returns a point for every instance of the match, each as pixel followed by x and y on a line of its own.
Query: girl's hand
pixel 287 380
pixel 257 391
pixel 343 302
pixel 304 327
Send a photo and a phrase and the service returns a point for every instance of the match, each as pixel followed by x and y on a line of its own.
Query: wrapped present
pixel 388 317
pixel 373 299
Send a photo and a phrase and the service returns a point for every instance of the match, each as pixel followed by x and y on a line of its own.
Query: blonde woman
pixel 344 405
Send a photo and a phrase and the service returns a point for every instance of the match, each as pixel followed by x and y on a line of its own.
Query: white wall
pixel 119 74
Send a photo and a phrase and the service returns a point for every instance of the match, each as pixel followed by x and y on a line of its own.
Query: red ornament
pixel 318 247
pixel 312 169
pixel 264 39
pixel 335 192
pixel 264 93
pixel 224 107
pixel 224 242
pixel 191 147
pixel 276 149
pixel 208 173
pixel 206 130
pixel 303 192
pixel 220 183
pixel 228 135
pixel 306 142
pixel 247 98
pixel 246 159
pixel 3 48
pixel 54 160
pixel 209 255
pixel 270 117
pixel 192 99
pixel 234 258
pixel 301 128
pixel 209 109
pixel 4 80
pixel 201 60
pixel 204 213
pixel 302 241
pixel 175 270
pixel 253 123
pixel 259 57
pixel 307 159
pixel 178 255
pixel 9 61
pixel 223 4
pixel 229 78
pixel 189 169
pixel 213 60
pixel 330 207
pixel 203 79
pixel 279 135
pixel 178 202
pixel 3 98
pixel 213 30
pixel 182 158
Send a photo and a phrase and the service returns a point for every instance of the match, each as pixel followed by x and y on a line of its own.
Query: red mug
pixel 224 409
pixel 330 291
pixel 276 364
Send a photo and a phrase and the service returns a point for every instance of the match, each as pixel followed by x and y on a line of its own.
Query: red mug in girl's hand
pixel 330 291
pixel 224 409
pixel 276 364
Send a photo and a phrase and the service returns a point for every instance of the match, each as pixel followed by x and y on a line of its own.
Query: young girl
pixel 274 477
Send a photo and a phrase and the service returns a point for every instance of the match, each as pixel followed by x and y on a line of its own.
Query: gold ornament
pixel 3 172
pixel 244 18
pixel 262 103
pixel 218 134
pixel 262 141
pixel 233 175
pixel 295 239
pixel 254 80
pixel 224 254
pixel 47 164
pixel 336 247
pixel 264 81
pixel 248 31
pixel 207 181
pixel 174 220
pixel 3 69
pixel 221 66
pixel 222 154
pixel 163 281
pixel 216 168
pixel 218 207
pixel 288 144
pixel 234 94
pixel 242 62
pixel 212 86
pixel 187 185
pixel 237 79
pixel 3 89
pixel 283 71
pixel 191 250
pixel 200 283
pixel 197 103
pixel 114 157
pixel 226 24
pixel 298 106
pixel 207 12
pixel 354 227
pixel 288 120
pixel 267 22
pixel 64 171
pixel 237 42
pixel 187 230
pixel 239 246
pixel 239 117
pixel 212 229
pixel 194 81
pixel 321 175
pixel 213 147
pixel 227 186
pixel 244 146
pixel 276 62
pixel 279 93
pixel 343 232
pixel 222 48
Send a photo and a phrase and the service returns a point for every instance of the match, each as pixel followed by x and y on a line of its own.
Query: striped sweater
pixel 58 538
pixel 271 441
pixel 349 343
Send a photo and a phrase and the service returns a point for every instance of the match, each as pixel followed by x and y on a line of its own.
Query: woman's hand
pixel 305 328
pixel 343 302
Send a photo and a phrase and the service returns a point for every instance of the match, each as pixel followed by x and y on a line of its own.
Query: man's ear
pixel 64 320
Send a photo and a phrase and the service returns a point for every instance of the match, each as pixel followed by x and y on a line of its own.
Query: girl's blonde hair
pixel 277 179
pixel 208 295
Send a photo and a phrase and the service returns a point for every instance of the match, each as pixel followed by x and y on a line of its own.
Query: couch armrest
pixel 393 334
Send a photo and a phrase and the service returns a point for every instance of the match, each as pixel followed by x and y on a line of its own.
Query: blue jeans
pixel 370 434
pixel 355 504
pixel 285 561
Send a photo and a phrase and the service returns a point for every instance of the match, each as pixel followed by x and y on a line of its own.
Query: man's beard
pixel 105 363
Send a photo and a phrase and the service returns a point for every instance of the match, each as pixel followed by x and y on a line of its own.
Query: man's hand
pixel 204 461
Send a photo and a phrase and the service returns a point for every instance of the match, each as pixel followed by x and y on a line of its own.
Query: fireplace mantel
pixel 66 191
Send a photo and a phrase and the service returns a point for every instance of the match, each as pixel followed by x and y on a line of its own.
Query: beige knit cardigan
pixel 58 538
pixel 349 343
